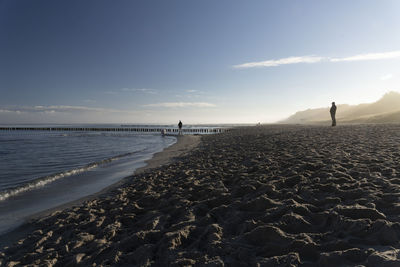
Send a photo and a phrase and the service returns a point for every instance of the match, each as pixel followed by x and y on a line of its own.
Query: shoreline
pixel 277 195
pixel 183 145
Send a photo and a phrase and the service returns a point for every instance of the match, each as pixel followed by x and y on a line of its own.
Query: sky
pixel 206 61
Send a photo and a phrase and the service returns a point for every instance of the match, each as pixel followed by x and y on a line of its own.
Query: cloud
pixel 62 108
pixel 89 101
pixel 143 90
pixel 278 62
pixel 386 77
pixel 54 108
pixel 191 91
pixel 181 105
pixel 68 114
pixel 12 110
pixel 316 59
pixel 371 56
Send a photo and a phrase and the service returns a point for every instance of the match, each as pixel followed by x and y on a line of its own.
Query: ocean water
pixel 42 170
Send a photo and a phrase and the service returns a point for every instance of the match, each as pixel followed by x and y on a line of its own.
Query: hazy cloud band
pixel 181 105
pixel 316 59
pixel 54 108
pixel 278 62
pixel 371 56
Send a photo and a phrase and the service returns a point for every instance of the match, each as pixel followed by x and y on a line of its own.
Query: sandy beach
pixel 257 196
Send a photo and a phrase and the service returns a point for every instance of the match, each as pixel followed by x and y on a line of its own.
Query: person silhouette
pixel 333 113
pixel 180 127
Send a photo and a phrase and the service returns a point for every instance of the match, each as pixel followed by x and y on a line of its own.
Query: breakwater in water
pixel 120 129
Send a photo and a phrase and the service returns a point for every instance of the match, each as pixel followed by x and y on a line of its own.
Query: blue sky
pixel 198 61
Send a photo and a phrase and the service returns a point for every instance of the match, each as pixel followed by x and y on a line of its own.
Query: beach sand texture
pixel 256 196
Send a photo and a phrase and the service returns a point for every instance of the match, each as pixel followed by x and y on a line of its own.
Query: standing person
pixel 180 128
pixel 333 113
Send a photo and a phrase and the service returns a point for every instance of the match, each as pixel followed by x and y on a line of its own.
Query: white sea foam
pixel 42 181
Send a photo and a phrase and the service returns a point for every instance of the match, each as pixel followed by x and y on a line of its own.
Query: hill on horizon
pixel 385 110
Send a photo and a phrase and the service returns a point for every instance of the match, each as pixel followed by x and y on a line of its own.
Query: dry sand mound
pixel 261 196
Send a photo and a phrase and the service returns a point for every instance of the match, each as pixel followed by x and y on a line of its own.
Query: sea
pixel 40 170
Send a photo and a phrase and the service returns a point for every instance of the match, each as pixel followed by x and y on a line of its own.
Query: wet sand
pixel 183 145
pixel 258 196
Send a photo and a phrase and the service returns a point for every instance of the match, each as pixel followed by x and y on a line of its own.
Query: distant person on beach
pixel 180 127
pixel 333 114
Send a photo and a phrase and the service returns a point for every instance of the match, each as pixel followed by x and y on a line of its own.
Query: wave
pixel 42 181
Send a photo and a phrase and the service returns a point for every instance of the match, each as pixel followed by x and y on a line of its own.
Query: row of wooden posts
pixel 125 129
